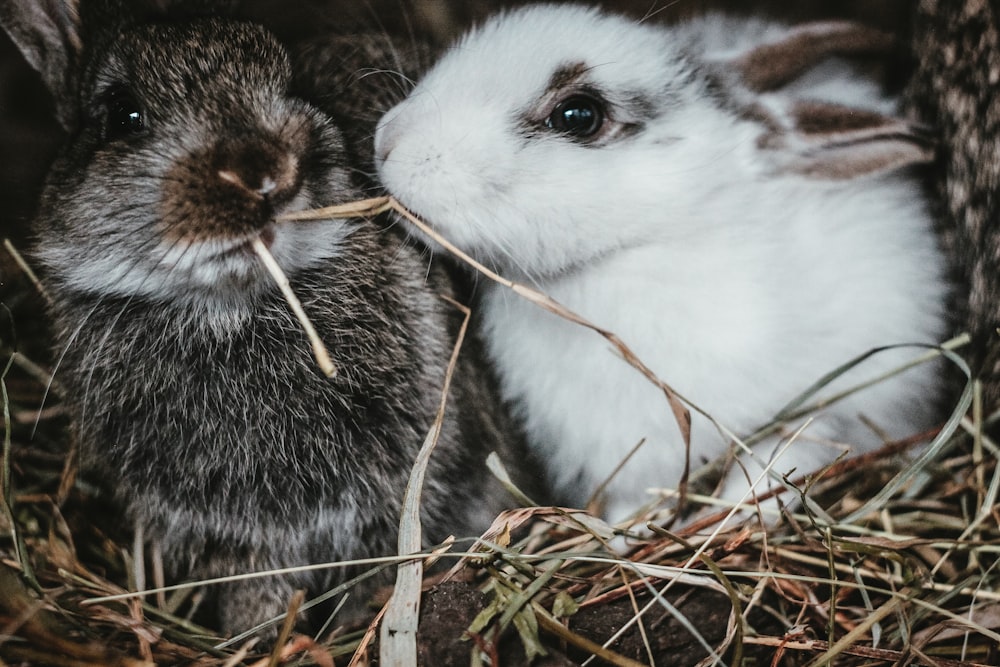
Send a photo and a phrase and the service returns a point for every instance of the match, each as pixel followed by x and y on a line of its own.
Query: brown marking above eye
pixel 577 109
pixel 566 76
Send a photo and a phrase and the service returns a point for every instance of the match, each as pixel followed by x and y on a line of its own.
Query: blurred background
pixel 28 135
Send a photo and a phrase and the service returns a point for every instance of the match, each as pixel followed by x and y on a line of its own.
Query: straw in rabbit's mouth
pixel 245 247
pixel 259 245
pixel 266 237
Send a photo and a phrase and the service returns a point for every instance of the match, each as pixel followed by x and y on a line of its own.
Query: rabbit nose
pixel 266 187
pixel 263 172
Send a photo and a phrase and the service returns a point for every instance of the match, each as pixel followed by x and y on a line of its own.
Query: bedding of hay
pixel 913 581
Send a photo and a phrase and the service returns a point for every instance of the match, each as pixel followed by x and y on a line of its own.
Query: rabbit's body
pixel 192 386
pixel 704 222
pixel 237 455
pixel 753 327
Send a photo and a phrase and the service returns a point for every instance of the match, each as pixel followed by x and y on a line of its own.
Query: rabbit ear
pixel 775 64
pixel 819 138
pixel 47 32
pixel 836 142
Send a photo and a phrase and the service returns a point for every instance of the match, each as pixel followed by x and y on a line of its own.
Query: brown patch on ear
pixel 842 163
pixel 773 65
pixel 828 119
pixel 836 142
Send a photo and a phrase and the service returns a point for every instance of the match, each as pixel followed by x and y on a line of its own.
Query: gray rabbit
pixel 191 384
pixel 957 48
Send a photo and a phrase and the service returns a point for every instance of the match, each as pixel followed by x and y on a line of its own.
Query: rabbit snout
pixel 234 189
pixel 261 170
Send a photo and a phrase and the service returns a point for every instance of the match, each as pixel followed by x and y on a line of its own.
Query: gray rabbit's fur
pixel 956 44
pixel 192 387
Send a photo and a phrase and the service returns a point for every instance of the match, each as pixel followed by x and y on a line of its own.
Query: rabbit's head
pixel 184 144
pixel 554 135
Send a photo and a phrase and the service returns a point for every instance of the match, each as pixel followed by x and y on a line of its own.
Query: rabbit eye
pixel 125 117
pixel 578 116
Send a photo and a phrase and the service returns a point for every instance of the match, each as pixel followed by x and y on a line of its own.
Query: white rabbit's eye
pixel 125 117
pixel 577 115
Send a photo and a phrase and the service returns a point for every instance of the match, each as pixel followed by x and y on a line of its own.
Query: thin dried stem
pixel 26 268
pixel 319 349
pixel 399 628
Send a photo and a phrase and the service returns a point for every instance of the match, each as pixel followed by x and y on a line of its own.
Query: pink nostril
pixel 267 186
pixel 232 177
pixel 282 177
pixel 258 167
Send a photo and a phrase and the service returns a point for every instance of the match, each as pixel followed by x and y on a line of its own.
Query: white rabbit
pixel 700 193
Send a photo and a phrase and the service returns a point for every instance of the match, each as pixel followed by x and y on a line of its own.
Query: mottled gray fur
pixel 955 88
pixel 192 387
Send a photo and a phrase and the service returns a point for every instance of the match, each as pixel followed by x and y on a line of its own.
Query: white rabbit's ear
pixel 47 32
pixel 836 142
pixel 775 64
pixel 823 138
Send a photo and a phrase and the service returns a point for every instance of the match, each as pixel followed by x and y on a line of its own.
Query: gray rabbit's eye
pixel 578 115
pixel 125 116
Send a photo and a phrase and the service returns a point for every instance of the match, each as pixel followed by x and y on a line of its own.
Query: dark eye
pixel 577 115
pixel 124 115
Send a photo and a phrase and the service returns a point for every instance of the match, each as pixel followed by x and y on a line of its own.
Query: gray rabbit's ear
pixel 837 142
pixel 47 32
pixel 775 64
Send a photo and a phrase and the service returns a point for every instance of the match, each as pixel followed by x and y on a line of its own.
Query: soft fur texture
pixel 743 241
pixel 192 386
pixel 956 44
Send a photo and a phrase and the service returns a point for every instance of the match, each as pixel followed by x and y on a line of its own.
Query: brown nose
pixel 232 188
pixel 258 168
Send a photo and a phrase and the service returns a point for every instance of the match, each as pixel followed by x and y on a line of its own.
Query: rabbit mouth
pixel 244 248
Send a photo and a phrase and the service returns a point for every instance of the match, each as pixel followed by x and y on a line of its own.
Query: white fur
pixel 202 265
pixel 739 283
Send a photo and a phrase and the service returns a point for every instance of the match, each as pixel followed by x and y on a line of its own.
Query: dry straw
pixel 909 578
pixel 319 349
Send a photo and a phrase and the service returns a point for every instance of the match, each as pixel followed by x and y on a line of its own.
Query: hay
pixel 319 349
pixel 913 580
